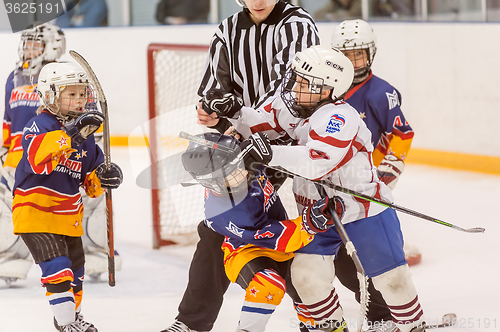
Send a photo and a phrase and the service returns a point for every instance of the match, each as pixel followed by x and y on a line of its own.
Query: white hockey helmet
pixel 55 78
pixel 356 35
pixel 53 42
pixel 242 3
pixel 322 67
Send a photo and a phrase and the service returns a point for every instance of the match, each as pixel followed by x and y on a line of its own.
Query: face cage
pixel 361 74
pixel 31 66
pixel 290 98
pixel 235 182
pixel 62 103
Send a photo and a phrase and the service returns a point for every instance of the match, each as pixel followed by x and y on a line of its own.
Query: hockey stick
pixel 351 250
pixel 107 161
pixel 213 145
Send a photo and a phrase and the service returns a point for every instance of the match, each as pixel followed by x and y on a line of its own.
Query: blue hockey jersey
pixel 379 105
pixel 255 224
pixel 21 103
pixel 46 190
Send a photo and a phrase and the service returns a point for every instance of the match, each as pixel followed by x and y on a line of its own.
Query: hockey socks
pixel 401 297
pixel 263 294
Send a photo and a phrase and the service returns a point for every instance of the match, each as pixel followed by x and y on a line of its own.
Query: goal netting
pixel 174 75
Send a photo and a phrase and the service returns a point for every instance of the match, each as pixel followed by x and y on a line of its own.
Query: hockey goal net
pixel 174 75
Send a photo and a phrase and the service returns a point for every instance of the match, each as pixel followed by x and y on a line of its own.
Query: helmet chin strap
pixel 360 75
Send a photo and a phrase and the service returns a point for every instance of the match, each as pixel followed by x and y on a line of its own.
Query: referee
pixel 249 54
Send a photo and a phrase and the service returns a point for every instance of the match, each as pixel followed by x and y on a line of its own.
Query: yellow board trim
pixel 453 160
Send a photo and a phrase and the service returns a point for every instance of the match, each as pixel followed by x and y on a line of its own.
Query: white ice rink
pixel 459 272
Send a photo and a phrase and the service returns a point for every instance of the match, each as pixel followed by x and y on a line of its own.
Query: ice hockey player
pixel 334 145
pixel 242 205
pixel 60 156
pixel 379 105
pixel 39 45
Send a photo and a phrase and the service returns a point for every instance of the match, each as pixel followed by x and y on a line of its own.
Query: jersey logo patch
pixel 235 229
pixel 336 123
pixel 266 234
pixel 314 154
pixel 32 129
pixel 393 99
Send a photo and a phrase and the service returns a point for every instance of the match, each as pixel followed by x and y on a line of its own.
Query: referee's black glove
pixel 224 104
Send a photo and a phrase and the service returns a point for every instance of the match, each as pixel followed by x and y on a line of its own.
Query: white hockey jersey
pixel 334 145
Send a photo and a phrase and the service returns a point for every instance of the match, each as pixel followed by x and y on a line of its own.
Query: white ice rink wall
pixel 448 74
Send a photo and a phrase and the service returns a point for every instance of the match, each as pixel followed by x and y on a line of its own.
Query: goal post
pixel 174 75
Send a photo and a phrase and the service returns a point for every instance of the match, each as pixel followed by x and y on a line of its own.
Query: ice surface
pixel 459 272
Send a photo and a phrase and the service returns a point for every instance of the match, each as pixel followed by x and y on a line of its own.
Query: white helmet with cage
pixel 356 35
pixel 242 3
pixel 40 44
pixel 54 79
pixel 322 67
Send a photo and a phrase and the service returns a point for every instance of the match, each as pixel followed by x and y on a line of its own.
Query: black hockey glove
pixel 83 126
pixel 111 178
pixel 256 150
pixel 317 218
pixel 224 104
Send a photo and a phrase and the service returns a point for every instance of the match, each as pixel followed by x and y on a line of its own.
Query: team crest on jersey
pixel 393 99
pixel 260 234
pixel 235 229
pixel 32 129
pixel 335 124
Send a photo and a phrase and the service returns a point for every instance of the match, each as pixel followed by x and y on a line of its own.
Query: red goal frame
pixel 152 50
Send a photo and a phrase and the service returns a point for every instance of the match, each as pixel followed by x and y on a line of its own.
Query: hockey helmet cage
pixel 322 67
pixel 53 44
pixel 217 170
pixel 356 35
pixel 55 78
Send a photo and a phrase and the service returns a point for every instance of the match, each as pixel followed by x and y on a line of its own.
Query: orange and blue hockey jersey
pixel 379 105
pixel 21 103
pixel 255 224
pixel 48 178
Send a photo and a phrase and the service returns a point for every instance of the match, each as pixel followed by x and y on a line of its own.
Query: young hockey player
pixel 334 145
pixel 255 73
pixel 39 45
pixel 242 205
pixel 379 105
pixel 60 156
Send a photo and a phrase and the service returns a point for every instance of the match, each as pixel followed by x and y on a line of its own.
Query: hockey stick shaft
pixel 379 201
pixel 351 250
pixel 107 161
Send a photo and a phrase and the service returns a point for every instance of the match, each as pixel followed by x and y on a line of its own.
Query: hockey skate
pixel 178 326
pixel 79 325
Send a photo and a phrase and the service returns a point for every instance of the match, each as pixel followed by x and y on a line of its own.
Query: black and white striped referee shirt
pixel 250 60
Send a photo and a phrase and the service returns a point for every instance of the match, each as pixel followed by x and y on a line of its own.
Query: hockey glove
pixel 225 104
pixel 389 170
pixel 317 218
pixel 84 126
pixel 111 178
pixel 256 150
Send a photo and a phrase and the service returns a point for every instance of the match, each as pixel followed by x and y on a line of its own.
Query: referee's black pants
pixel 207 283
